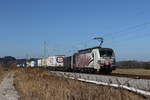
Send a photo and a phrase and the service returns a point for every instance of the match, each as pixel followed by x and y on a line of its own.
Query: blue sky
pixel 68 25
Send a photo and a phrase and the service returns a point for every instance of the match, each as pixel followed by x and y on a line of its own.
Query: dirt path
pixel 7 89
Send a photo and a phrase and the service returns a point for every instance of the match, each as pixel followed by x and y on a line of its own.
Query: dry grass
pixel 132 71
pixel 3 71
pixel 1 74
pixel 37 84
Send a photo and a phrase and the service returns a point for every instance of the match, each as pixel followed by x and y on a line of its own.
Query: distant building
pixel 21 62
pixel 33 62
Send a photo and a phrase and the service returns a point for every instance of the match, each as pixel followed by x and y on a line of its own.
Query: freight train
pixel 96 59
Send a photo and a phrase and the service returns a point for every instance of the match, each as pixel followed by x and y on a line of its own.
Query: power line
pixel 125 35
pixel 126 29
pixel 138 36
pixel 45 49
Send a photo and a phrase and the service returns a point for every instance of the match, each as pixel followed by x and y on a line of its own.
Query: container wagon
pixel 55 62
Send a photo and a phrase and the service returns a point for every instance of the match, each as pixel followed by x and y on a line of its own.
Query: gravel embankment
pixel 7 89
pixel 136 83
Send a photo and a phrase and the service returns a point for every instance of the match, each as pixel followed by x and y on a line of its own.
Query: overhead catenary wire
pixel 112 37
pixel 126 29
pixel 127 39
pixel 127 36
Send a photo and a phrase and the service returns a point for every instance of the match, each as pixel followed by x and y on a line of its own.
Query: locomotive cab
pixel 103 59
pixel 107 59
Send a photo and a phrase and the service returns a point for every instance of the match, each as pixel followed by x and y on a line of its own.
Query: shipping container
pixel 54 61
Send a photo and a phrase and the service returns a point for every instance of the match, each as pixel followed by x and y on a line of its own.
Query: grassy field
pixel 37 84
pixel 132 71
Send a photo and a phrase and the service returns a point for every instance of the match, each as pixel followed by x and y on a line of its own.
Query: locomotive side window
pixel 93 55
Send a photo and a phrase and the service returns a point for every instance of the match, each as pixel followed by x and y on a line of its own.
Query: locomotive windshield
pixel 106 53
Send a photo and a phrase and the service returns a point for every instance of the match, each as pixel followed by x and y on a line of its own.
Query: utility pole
pixel 44 58
pixel 27 56
pixel 44 49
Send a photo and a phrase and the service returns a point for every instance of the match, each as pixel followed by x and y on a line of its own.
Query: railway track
pixel 130 76
pixel 123 75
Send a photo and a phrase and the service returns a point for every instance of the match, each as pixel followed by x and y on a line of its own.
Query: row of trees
pixel 133 64
pixel 7 61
